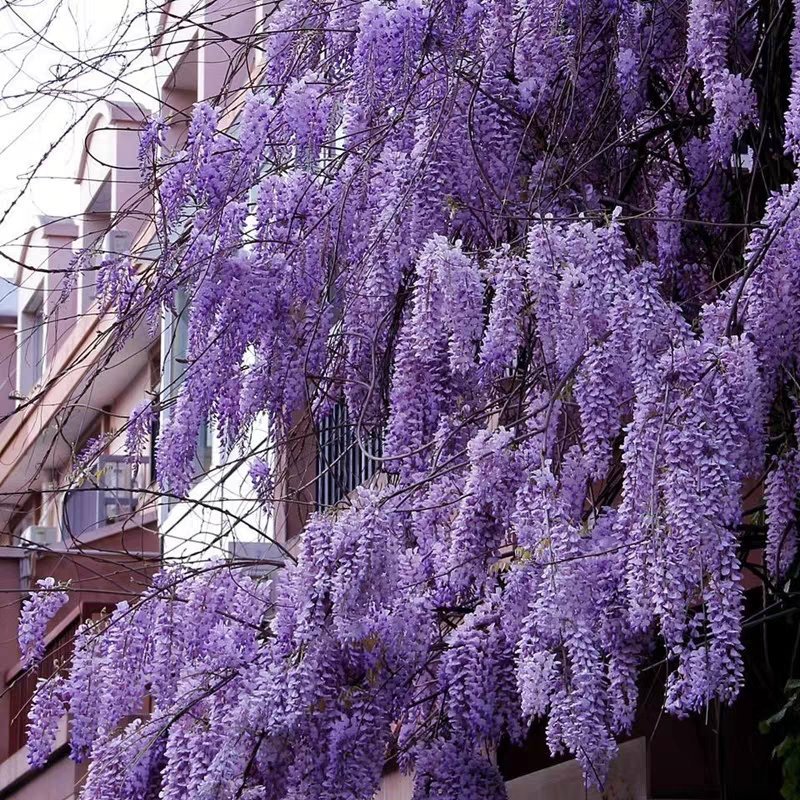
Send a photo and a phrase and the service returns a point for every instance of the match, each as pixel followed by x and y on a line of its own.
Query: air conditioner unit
pixel 265 562
pixel 39 535
pixel 265 557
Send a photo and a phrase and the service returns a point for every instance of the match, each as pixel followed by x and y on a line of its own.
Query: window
pixel 343 464
pixel 31 337
pixel 155 391
pixel 179 93
pixel 205 446
pixel 36 346
pixel 174 349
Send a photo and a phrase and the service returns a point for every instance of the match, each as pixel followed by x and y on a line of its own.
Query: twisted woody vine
pixel 549 252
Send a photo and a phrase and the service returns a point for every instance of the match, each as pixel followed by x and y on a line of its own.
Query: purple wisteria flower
pixel 512 240
pixel 37 612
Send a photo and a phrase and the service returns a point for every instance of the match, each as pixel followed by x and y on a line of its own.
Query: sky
pixel 47 44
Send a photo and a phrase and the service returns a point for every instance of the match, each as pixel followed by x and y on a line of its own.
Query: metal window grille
pixel 343 465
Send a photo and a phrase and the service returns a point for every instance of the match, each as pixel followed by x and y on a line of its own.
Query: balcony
pixel 110 492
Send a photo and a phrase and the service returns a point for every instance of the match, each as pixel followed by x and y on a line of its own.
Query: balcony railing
pixel 22 687
pixel 112 490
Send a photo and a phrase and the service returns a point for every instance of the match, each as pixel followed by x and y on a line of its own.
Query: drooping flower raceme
pixel 37 612
pixel 510 240
pixel 46 711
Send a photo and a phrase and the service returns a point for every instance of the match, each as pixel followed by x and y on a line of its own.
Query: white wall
pixel 222 508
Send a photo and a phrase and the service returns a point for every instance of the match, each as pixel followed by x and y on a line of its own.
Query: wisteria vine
pixel 510 236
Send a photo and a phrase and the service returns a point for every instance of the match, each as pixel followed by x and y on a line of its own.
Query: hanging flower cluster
pixel 37 612
pixel 509 237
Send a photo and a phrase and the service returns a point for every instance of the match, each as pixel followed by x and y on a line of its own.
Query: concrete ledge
pixel 15 772
pixel 627 779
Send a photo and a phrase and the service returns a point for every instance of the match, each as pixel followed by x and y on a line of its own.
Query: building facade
pixel 76 506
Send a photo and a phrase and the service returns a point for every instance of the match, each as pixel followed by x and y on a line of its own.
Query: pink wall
pixel 222 60
pixel 60 316
pixel 131 394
